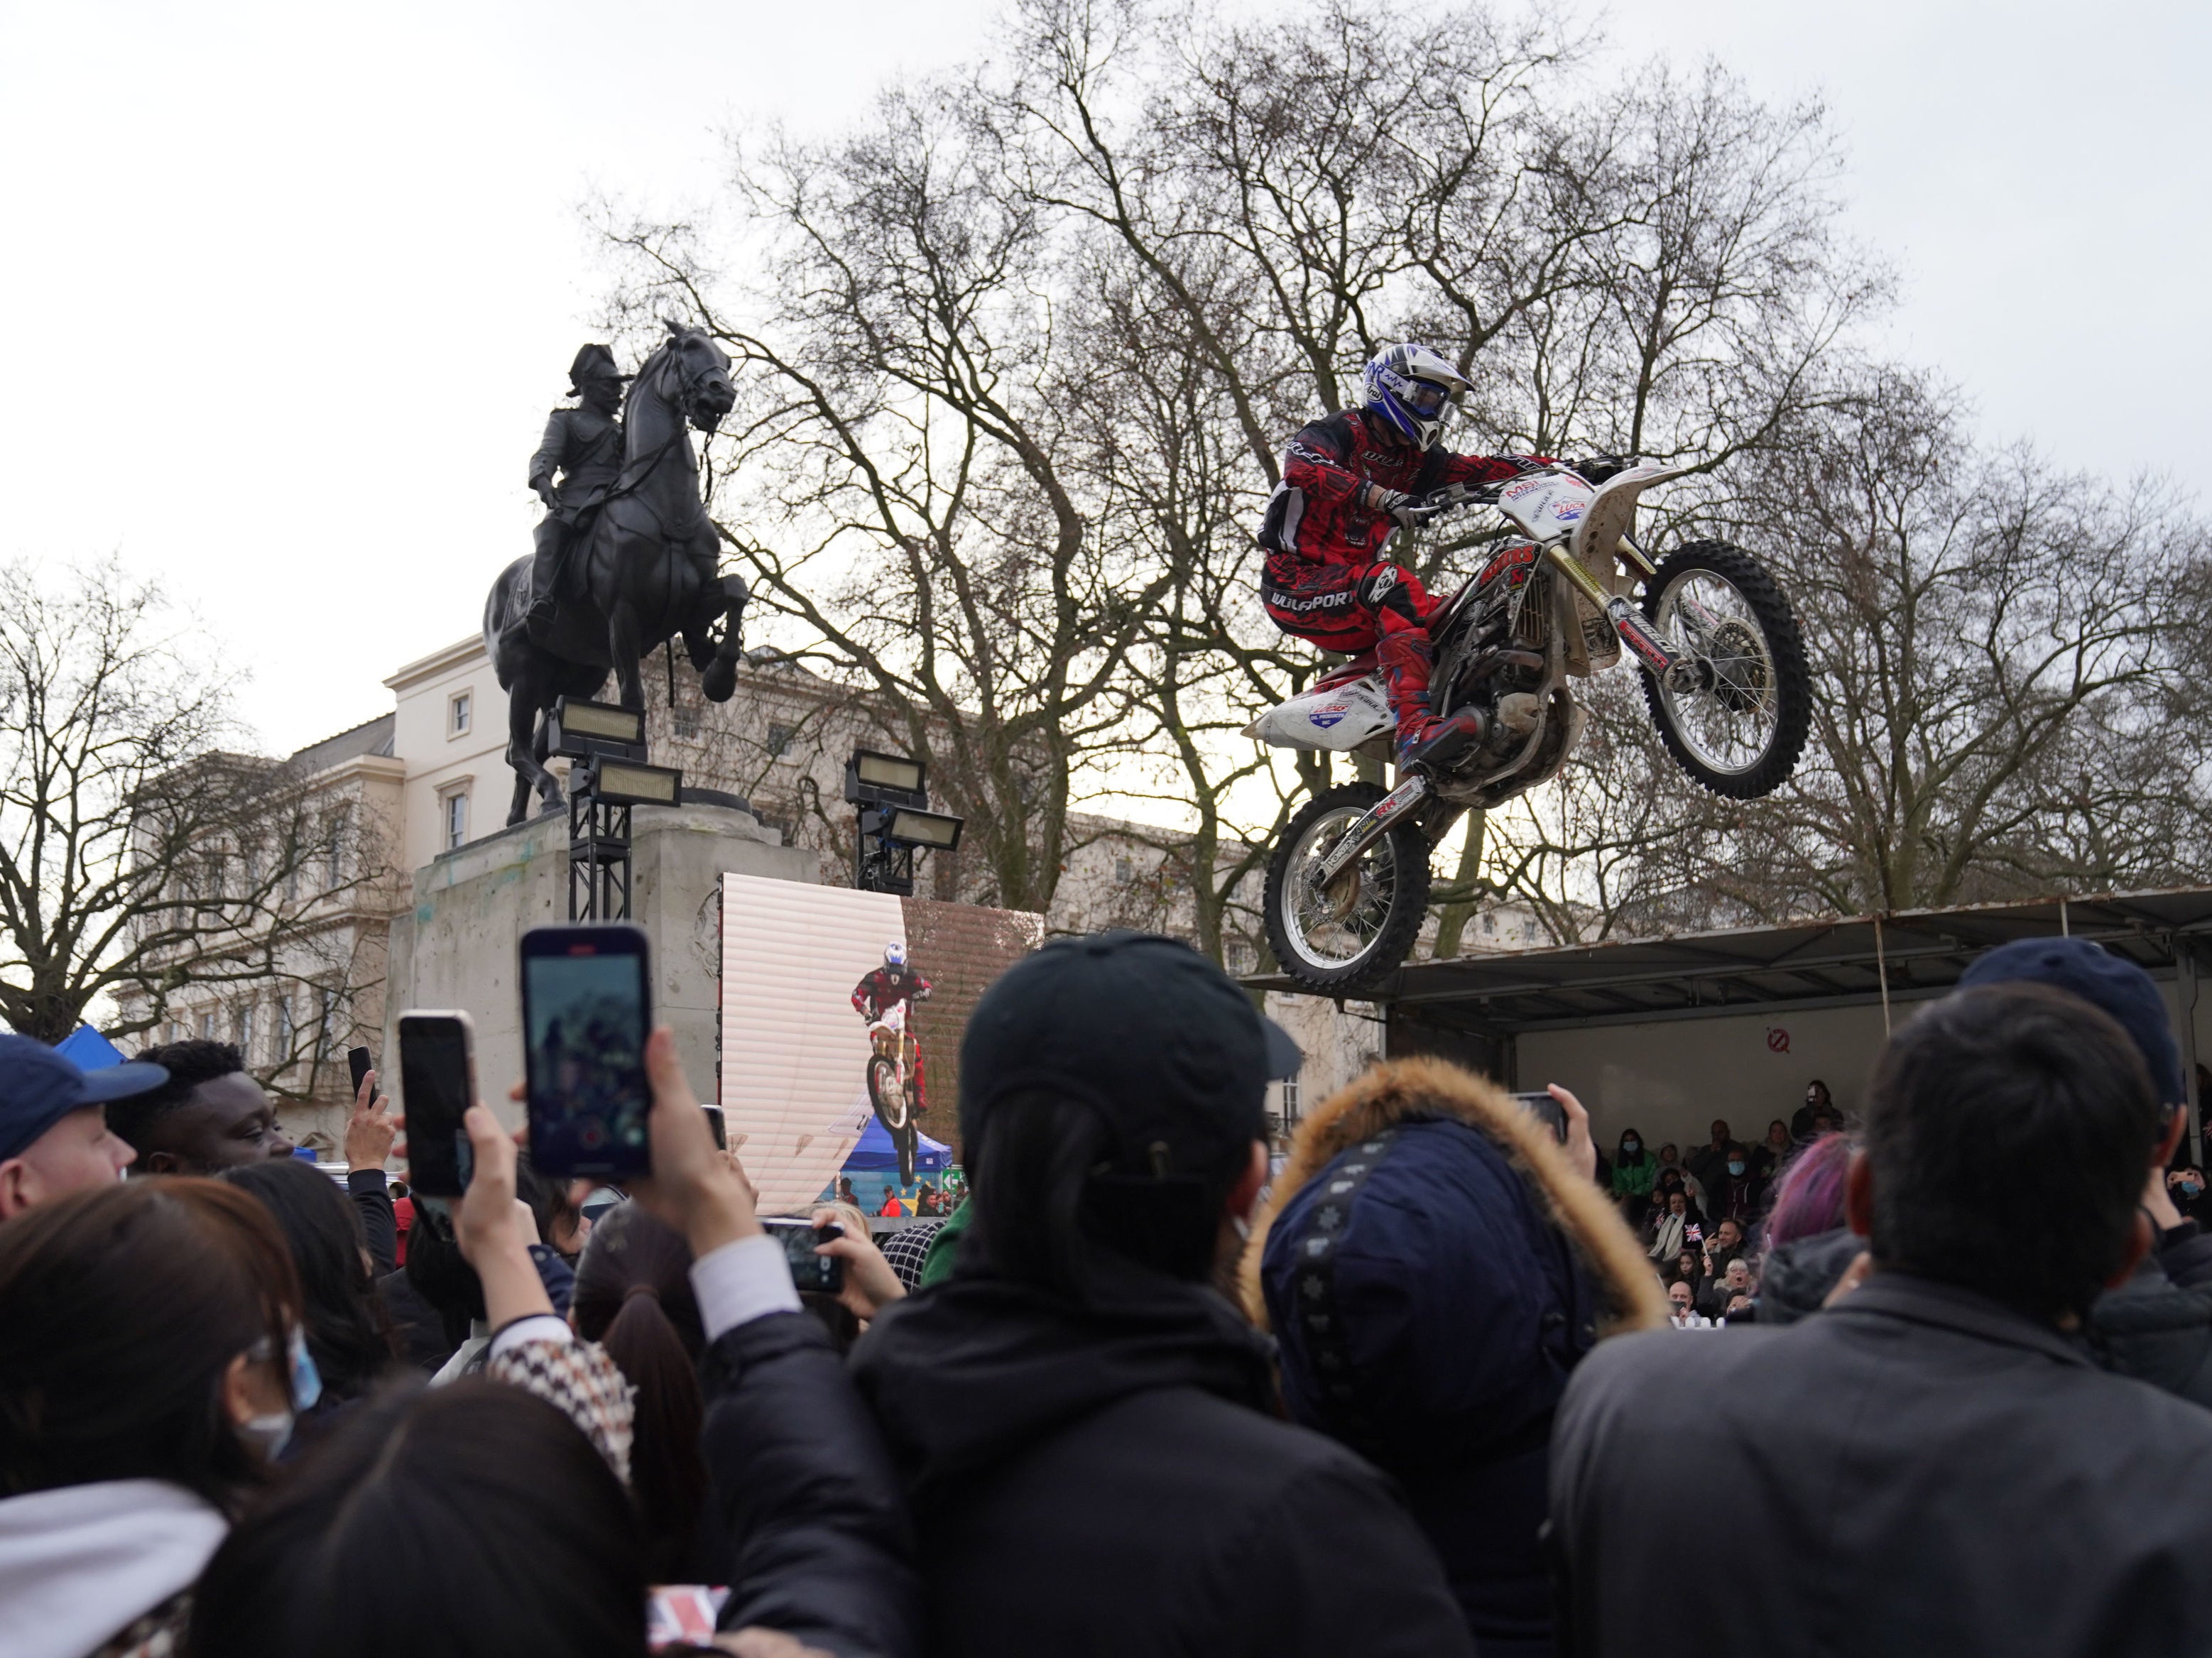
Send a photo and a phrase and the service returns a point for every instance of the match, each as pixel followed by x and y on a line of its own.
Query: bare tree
pixel 138 858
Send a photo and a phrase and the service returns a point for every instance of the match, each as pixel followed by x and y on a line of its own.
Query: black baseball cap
pixel 39 1087
pixel 2105 981
pixel 1158 1041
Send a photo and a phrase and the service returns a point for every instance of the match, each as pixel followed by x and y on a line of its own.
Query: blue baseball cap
pixel 39 1087
pixel 2106 981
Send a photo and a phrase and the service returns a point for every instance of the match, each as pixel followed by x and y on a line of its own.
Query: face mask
pixel 271 1431
pixel 1735 1165
pixel 1631 1146
pixel 2189 1188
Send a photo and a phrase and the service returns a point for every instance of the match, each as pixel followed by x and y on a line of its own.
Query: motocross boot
pixel 1433 742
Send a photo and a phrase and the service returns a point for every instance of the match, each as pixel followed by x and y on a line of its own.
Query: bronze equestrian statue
pixel 627 558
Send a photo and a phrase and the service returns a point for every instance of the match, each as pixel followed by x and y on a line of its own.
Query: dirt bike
pixel 1724 676
pixel 894 1083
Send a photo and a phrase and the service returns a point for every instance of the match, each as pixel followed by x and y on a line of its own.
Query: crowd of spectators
pixel 1417 1389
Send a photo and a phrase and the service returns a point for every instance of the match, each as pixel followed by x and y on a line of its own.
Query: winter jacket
pixel 1107 1480
pixel 824 1550
pixel 1434 1270
pixel 1314 515
pixel 1633 1180
pixel 1923 1471
pixel 100 1568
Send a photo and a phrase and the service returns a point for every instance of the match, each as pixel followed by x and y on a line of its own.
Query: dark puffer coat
pixel 1435 1270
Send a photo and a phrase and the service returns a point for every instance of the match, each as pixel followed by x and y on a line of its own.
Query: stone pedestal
pixel 455 947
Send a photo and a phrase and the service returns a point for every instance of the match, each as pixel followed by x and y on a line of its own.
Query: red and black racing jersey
pixel 1315 514
pixel 885 988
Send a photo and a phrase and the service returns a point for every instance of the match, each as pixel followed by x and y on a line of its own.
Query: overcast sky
pixel 339 249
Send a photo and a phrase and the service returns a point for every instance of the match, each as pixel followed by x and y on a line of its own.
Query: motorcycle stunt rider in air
pixel 1348 481
pixel 885 988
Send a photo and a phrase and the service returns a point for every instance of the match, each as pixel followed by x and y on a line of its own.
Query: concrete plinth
pixel 456 946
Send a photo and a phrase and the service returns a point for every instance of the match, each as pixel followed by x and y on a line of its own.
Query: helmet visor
pixel 1426 399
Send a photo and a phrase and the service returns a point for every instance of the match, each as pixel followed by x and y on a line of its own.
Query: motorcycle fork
pixel 1651 646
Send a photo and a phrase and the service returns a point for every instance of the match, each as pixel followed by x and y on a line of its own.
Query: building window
pixel 1124 872
pixel 779 741
pixel 459 708
pixel 455 827
pixel 334 852
pixel 207 1026
pixel 685 722
pixel 244 1026
pixel 284 1029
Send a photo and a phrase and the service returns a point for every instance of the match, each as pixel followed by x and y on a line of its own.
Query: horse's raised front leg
pixel 718 678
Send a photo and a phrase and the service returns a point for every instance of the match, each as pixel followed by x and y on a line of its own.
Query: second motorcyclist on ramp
pixel 1349 479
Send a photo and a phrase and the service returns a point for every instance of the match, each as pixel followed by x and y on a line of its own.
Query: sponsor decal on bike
pixel 1641 642
pixel 1329 713
pixel 1521 487
pixel 1515 557
pixel 1568 510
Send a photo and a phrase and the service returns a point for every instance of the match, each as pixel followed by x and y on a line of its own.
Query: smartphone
pixel 1545 1110
pixel 360 1064
pixel 717 1126
pixel 808 1269
pixel 587 1008
pixel 437 1083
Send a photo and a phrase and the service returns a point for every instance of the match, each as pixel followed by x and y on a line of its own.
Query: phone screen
pixel 585 1016
pixel 1547 1110
pixel 715 1126
pixel 808 1269
pixel 435 1086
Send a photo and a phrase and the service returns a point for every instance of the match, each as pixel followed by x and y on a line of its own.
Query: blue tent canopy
pixel 875 1151
pixel 88 1050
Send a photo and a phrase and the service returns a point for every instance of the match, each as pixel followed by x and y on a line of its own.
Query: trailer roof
pixel 1847 961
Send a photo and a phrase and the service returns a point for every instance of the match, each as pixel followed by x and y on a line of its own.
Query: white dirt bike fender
pixel 1609 515
pixel 1342 717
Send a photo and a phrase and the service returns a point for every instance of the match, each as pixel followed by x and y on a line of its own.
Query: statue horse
pixel 640 570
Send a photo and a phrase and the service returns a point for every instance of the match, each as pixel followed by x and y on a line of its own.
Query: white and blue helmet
pixel 1412 388
pixel 895 956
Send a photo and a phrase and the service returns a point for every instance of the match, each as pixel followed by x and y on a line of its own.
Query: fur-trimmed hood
pixel 1406 1091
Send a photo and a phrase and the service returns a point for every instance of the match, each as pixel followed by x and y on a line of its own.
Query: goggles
pixel 1426 399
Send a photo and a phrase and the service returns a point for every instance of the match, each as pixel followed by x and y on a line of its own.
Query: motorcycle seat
pixel 1358 668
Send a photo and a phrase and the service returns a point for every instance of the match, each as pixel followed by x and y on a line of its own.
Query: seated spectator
pixel 1709 1163
pixel 2185 1187
pixel 1674 1177
pixel 54 1138
pixel 1735 1279
pixel 1088 1426
pixel 1950 1392
pixel 1689 1268
pixel 892 1204
pixel 149 1373
pixel 1771 1153
pixel 1634 1169
pixel 1685 1316
pixel 1722 1244
pixel 1665 1232
pixel 209 1115
pixel 496 1526
pixel 1741 1194
pixel 1818 1101
pixel 348 1331
pixel 1434 1268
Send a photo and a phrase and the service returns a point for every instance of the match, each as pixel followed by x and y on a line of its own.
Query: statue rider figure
pixel 584 445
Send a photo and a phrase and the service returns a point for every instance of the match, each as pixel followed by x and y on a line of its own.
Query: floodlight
pixel 933 831
pixel 874 778
pixel 581 729
pixel 626 783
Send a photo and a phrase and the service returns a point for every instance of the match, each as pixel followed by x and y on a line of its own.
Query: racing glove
pixel 1393 504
